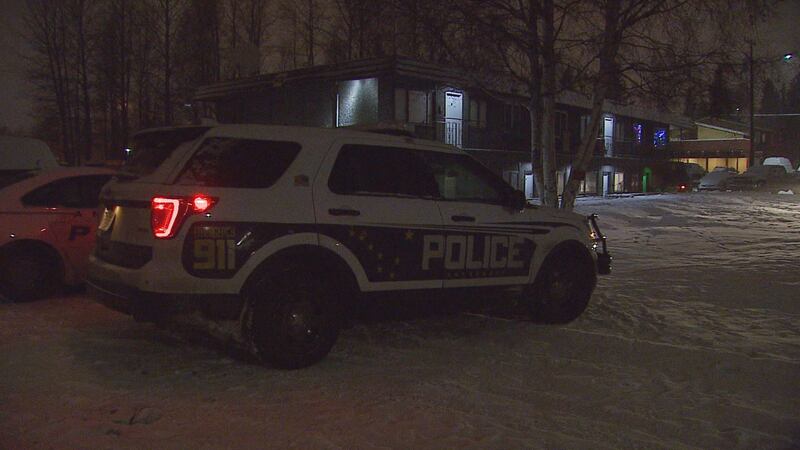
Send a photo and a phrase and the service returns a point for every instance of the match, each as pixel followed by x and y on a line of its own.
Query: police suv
pixel 281 228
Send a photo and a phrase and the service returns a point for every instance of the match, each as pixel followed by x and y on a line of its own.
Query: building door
pixel 608 135
pixel 453 114
pixel 529 186
pixel 606 177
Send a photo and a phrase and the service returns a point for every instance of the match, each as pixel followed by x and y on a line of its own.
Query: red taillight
pixel 167 213
pixel 164 215
pixel 201 203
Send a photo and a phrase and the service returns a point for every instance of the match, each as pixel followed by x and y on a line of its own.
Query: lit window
pixel 637 133
pixel 660 138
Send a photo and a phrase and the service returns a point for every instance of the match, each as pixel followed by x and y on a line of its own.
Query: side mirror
pixel 516 200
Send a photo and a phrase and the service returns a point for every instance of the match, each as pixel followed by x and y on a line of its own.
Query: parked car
pixel 47 229
pixel 779 161
pixel 683 177
pixel 716 179
pixel 19 154
pixel 279 230
pixel 759 177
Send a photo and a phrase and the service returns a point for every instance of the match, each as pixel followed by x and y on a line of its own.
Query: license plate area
pixel 108 219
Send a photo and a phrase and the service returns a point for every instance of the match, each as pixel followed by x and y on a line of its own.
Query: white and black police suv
pixel 280 228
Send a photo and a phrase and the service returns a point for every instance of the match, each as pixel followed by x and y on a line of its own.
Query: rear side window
pixel 371 169
pixel 150 149
pixel 74 192
pixel 238 163
pixel 9 177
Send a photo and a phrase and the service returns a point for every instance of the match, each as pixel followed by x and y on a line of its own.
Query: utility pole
pixel 751 156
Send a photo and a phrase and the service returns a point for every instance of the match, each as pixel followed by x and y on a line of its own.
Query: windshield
pixel 150 149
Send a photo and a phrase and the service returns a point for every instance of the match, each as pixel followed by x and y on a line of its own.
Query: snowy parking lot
pixel 692 342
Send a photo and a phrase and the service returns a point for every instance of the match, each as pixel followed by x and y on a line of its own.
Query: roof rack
pixel 390 128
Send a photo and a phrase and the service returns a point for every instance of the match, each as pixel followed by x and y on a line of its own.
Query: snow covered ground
pixel 692 342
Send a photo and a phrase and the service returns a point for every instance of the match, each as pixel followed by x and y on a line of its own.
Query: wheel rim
pixel 301 324
pixel 561 289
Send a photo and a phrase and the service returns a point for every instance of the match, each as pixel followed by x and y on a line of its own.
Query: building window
pixel 619 182
pixel 561 129
pixel 660 138
pixel 418 107
pixel 357 102
pixel 400 105
pixel 477 113
pixel 637 133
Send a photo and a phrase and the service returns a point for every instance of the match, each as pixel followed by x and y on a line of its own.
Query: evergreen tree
pixel 720 98
pixel 770 99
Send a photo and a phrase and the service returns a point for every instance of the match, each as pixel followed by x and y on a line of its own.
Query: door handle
pixel 462 218
pixel 344 212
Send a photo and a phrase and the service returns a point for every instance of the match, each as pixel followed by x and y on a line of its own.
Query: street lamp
pixel 787 57
pixel 751 153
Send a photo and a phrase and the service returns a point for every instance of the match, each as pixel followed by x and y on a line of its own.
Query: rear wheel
pixel 563 286
pixel 290 318
pixel 28 273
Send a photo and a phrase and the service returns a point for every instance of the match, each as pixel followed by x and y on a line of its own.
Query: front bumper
pixel 603 256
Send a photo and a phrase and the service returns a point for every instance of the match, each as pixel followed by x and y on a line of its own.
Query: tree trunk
pixel 535 102
pixel 606 75
pixel 549 162
pixel 84 76
pixel 167 63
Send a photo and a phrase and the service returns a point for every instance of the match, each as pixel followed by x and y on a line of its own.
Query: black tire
pixel 29 273
pixel 563 286
pixel 291 317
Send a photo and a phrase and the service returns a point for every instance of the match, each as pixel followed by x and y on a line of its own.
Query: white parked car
pixel 48 221
pixel 283 228
pixel 20 154
pixel 716 179
pixel 779 161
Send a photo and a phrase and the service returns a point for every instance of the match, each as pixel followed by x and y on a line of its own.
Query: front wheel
pixel 563 286
pixel 290 321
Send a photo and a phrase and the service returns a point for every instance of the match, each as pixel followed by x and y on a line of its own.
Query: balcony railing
pixel 450 132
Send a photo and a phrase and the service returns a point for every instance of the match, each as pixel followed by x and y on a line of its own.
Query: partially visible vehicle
pixel 759 177
pixel 695 171
pixel 779 161
pixel 716 179
pixel 683 177
pixel 48 222
pixel 19 154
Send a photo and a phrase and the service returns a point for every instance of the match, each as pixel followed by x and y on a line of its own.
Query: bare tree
pixel 304 20
pixel 59 68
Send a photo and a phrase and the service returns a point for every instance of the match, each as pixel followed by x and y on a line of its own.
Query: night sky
pixel 777 37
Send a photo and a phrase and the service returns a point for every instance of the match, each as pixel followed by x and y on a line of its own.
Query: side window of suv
pixel 461 178
pixel 238 163
pixel 372 169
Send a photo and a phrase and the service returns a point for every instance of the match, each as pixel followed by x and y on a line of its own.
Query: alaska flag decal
pixel 387 252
